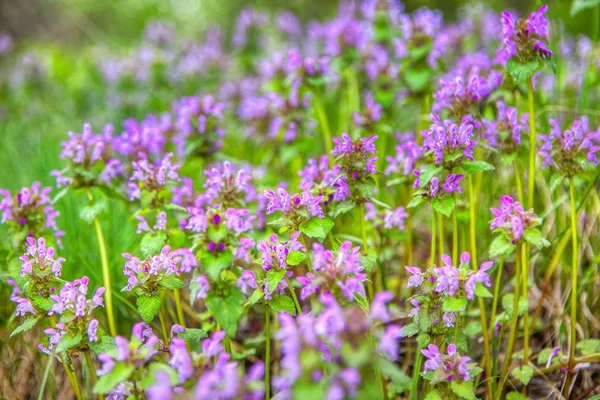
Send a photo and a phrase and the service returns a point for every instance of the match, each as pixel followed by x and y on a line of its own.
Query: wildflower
pixel 274 253
pixel 512 219
pixel 152 177
pixel 505 132
pixel 180 359
pixel 450 367
pixel 525 39
pixel 448 142
pixel 147 274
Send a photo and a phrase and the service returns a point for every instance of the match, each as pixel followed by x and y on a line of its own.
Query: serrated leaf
pixel 464 390
pixel 415 201
pixel 477 166
pixel 428 172
pixel 342 207
pixel 369 260
pixel 274 277
pixel 151 377
pixel 171 282
pixel 175 207
pixel 417 79
pixel 317 228
pixel 69 341
pixel 147 197
pixel 152 244
pixel 423 340
pixel 283 303
pixel 105 344
pixel 516 396
pixel 256 296
pixel 522 72
pixel 193 334
pixel 434 395
pixel 295 257
pixel 454 304
pixel 501 245
pixel 42 303
pixel 523 374
pixel 214 262
pixel 534 237
pixel 410 330
pixel 508 301
pixel 227 310
pixel 89 213
pixel 25 326
pixel 588 346
pixel 119 373
pixel 148 307
pixel 444 206
pixel 508 158
pixel 482 291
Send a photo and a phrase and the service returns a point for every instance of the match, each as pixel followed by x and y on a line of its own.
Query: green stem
pixel 92 369
pixel 432 253
pixel 45 378
pixel 267 354
pixel 105 272
pixel 514 325
pixel 574 278
pixel 519 183
pixel 414 386
pixel 494 312
pixel 486 335
pixel 532 149
pixel 525 294
pixel 72 376
pixel 442 249
pixel 180 316
pixel 293 293
pixel 163 322
pixel 322 116
pixel 308 262
pixel 454 233
pixel 363 225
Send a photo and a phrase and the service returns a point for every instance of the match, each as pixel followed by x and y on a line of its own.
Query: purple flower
pixel 180 359
pixel 92 330
pixel 444 139
pixel 416 279
pixel 151 176
pixel 525 39
pixel 405 160
pixel 512 219
pixel 147 274
pixel 505 132
pixel 198 123
pixel 446 367
pixel 246 282
pixel 274 253
pixel 161 388
pixel 388 343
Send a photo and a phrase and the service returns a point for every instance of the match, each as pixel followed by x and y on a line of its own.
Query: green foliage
pixel 215 262
pixel 444 205
pixel 171 282
pixel 501 245
pixel 477 166
pixel 107 382
pixel 89 213
pixel 148 307
pixel 283 303
pixel 522 72
pixel 68 341
pixel 464 390
pixel 295 257
pixel 588 346
pixel 317 228
pixel 151 245
pixel 454 304
pixel 226 309
pixel 25 326
pixel 523 374
pixel 193 334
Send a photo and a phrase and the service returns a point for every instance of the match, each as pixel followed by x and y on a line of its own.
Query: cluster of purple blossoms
pixel 147 274
pixel 148 136
pixel 143 226
pixel 42 262
pixel 388 219
pixel 448 142
pixel 198 123
pixel 356 156
pixel 371 114
pixel 91 159
pixel 228 185
pixel 451 184
pixel 289 115
pixel 446 368
pixel 72 302
pixel 273 253
pixel 319 339
pixel 505 132
pixel 525 39
pixel 248 19
pixel 318 177
pixel 30 210
pixel 340 273
pixel 152 177
pixel 408 152
pixel 512 219
pixel 296 207
pixel 565 150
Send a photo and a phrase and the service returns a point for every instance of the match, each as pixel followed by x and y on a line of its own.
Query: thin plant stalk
pixel 574 279
pixel 108 300
pixel 180 316
pixel 532 149
pixel 525 294
pixel 519 183
pixel 72 376
pixel 486 337
pixel 267 354
pixel 513 324
pixel 308 262
pixel 432 253
pixel 414 386
pixel 293 293
pixel 441 234
pixel 454 234
pixel 162 318
pixel 365 241
pixel 92 369
pixel 322 116
pixel 45 378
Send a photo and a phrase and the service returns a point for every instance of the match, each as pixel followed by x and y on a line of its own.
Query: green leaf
pixel 477 166
pixel 227 310
pixel 523 374
pixel 175 207
pixel 444 206
pixel 152 244
pixel 581 5
pixel 369 260
pixel 147 197
pixel 119 373
pixel 482 291
pixel 148 307
pixel 295 257
pixel 434 395
pixel 317 228
pixel 256 296
pixel 508 158
pixel 454 304
pixel 588 346
pixel 464 390
pixel 213 263
pixel 274 277
pixel 416 200
pixel 151 377
pixel 42 303
pixel 69 341
pixel 283 303
pixel 89 213
pixel 342 207
pixel 417 79
pixel 522 72
pixel 366 187
pixel 428 172
pixel 501 245
pixel 516 396
pixel 534 236
pixel 508 301
pixel 105 344
pixel 193 334
pixel 25 326
pixel 423 340
pixel 171 282
pixel 410 330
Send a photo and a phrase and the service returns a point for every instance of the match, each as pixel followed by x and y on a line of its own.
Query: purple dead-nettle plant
pixel 442 293
pixel 276 256
pixel 371 114
pixel 404 162
pixel 357 161
pixel 92 161
pixel 526 39
pixel 449 143
pixel 322 179
pixel 148 276
pixel 295 209
pixel 340 273
pixel 149 136
pixel 151 183
pixel 514 225
pixel 422 35
pixel 77 327
pixel 386 220
pixel 29 213
pixel 441 369
pixel 290 115
pixel 571 151
pixel 199 126
pixel 505 133
pixel 312 345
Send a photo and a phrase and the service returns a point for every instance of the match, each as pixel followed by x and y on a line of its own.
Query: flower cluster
pixel 446 368
pixel 150 274
pixel 526 39
pixel 448 142
pixel 150 179
pixel 505 132
pixel 388 219
pixel 512 219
